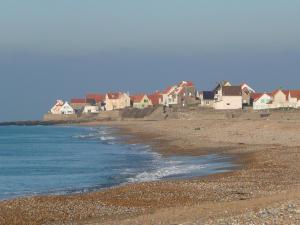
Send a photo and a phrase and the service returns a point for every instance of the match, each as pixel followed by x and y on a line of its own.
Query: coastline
pixel 264 180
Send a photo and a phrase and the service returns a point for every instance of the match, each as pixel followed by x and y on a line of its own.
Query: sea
pixel 60 160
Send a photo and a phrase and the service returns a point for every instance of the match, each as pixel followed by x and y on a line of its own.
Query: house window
pixel 228 104
pixel 145 100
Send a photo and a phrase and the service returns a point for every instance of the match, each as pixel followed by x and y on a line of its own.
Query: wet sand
pixel 265 189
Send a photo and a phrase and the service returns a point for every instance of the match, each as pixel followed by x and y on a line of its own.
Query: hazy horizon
pixel 63 49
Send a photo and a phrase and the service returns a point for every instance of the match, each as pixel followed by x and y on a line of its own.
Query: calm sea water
pixel 62 160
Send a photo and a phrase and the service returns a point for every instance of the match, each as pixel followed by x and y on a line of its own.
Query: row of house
pixel 276 99
pixel 181 94
pixel 227 96
pixel 223 96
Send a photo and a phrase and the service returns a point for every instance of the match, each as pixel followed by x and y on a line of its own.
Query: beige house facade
pixel 117 100
pixel 228 97
pixel 141 101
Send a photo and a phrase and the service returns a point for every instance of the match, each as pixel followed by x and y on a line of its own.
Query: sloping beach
pixel 264 189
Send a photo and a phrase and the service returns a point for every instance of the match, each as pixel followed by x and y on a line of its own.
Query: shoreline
pixel 268 177
pixel 127 138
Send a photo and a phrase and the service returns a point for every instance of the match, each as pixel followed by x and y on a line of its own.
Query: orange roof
pixel 78 101
pixel 155 98
pixel 137 98
pixel 97 97
pixel 295 94
pixel 186 84
pixel 168 90
pixel 256 96
pixel 285 92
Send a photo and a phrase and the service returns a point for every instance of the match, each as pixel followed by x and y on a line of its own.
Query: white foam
pixel 164 172
pixel 82 136
pixel 107 138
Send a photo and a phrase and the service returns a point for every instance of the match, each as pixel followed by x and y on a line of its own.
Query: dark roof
pixel 231 91
pixel 208 95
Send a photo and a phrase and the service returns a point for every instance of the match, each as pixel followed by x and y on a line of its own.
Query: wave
pixel 165 172
pixel 106 138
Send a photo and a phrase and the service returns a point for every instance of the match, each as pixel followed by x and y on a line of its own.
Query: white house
pixel 57 107
pixel 280 99
pixel 207 98
pixel 167 98
pixel 277 99
pixel 66 109
pixel 91 109
pixel 294 98
pixel 261 101
pixel 182 94
pixel 228 97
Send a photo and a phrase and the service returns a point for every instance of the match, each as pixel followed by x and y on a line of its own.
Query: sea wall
pixel 52 117
pixel 106 115
pixel 158 113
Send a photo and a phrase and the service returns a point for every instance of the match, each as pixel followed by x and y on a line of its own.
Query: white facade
pixel 246 86
pixel 229 102
pixel 90 109
pixel 57 107
pixel 66 109
pixel 262 102
pixel 294 102
pixel 167 99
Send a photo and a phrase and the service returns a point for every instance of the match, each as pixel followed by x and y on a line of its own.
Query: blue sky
pixel 64 48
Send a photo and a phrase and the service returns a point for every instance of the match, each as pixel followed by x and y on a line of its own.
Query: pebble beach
pixel 263 189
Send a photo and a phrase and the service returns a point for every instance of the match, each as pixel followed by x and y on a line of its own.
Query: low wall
pixel 109 115
pixel 53 117
pixel 106 115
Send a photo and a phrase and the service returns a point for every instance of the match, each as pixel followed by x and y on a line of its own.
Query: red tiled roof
pixel 137 98
pixel 186 84
pixel 256 96
pixel 181 91
pixel 285 92
pixel 114 95
pixel 97 97
pixel 168 90
pixel 155 98
pixel 78 101
pixel 295 94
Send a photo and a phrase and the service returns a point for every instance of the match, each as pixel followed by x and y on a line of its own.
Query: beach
pixel 264 188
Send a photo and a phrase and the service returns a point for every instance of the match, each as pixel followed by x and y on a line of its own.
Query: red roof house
pixel 156 98
pixel 98 98
pixel 78 101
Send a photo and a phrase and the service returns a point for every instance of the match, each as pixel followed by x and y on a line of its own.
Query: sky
pixel 61 49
